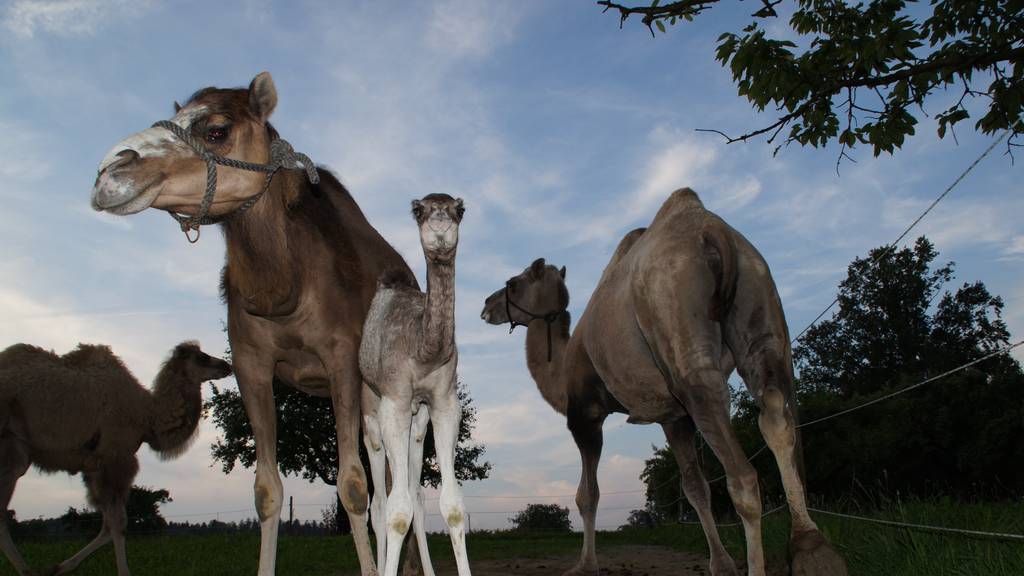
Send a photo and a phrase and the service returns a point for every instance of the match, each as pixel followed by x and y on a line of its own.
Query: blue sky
pixel 559 130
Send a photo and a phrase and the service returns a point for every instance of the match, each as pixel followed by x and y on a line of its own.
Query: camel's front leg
pixel 420 421
pixel 589 439
pixel 446 413
pixel 680 435
pixel 71 563
pixel 378 470
pixel 254 383
pixel 14 462
pixel 346 393
pixel 396 422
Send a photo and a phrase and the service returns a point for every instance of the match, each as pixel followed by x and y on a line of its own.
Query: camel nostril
pixel 122 158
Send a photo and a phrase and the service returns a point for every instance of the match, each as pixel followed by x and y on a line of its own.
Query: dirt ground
pixel 615 561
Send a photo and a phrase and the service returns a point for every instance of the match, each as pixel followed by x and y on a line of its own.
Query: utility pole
pixel 291 511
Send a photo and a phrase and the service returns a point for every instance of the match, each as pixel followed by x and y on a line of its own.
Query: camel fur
pixel 680 304
pixel 408 360
pixel 85 412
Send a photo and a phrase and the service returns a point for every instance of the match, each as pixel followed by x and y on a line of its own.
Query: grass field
pixel 869 549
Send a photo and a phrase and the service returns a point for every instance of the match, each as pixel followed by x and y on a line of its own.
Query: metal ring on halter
pixel 547 318
pixel 281 156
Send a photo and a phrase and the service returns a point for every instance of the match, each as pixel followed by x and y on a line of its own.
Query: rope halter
pixel 548 318
pixel 282 155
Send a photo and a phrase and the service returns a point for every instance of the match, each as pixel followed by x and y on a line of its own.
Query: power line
pixel 909 228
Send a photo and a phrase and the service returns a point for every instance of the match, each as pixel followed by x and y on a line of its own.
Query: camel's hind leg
pixel 767 372
pixel 14 462
pixel 680 435
pixel 420 421
pixel 687 344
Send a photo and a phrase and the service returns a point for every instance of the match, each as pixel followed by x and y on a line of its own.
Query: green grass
pixel 869 549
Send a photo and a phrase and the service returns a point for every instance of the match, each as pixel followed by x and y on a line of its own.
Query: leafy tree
pixel 307 441
pixel 962 435
pixel 862 72
pixel 143 509
pixel 542 517
pixel 645 518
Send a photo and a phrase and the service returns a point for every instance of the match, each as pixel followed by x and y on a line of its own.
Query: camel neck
pixel 259 266
pixel 549 375
pixel 438 339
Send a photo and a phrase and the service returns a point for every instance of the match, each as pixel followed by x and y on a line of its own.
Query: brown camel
pixel 679 305
pixel 301 269
pixel 408 358
pixel 85 412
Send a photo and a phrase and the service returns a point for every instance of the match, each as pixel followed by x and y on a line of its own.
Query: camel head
pixel 538 292
pixel 438 217
pixel 156 168
pixel 197 365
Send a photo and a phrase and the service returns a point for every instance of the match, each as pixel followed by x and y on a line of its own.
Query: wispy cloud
pixel 470 29
pixel 24 18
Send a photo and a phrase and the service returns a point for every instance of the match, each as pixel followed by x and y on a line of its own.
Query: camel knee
pixel 745 492
pixel 353 492
pixel 452 507
pixel 268 492
pixel 399 513
pixel 776 419
pixel 587 498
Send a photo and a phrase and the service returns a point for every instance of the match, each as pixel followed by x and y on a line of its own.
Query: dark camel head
pixel 438 216
pixel 197 365
pixel 538 291
pixel 154 168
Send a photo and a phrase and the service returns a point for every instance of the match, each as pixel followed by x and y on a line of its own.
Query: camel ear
pixel 460 208
pixel 177 107
pixel 262 96
pixel 417 209
pixel 537 268
pixel 562 272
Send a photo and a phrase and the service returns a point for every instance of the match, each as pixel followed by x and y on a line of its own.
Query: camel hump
pixel 90 355
pixel 396 278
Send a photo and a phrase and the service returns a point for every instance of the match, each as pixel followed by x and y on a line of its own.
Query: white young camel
pixel 408 359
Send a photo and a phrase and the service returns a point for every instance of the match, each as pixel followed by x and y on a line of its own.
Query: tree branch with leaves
pixel 863 73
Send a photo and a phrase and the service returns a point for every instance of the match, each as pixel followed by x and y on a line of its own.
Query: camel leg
pixel 378 470
pixel 346 392
pixel 687 345
pixel 589 437
pixel 769 379
pixel 254 384
pixel 396 422
pixel 116 521
pixel 420 420
pixel 445 414
pixel 680 437
pixel 14 462
pixel 71 563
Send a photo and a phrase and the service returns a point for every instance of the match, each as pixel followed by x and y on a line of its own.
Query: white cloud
pixel 24 18
pixel 470 29
pixel 21 154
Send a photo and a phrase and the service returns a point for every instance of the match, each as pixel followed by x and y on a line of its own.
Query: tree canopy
pixel 861 73
pixel 896 326
pixel 307 442
pixel 542 517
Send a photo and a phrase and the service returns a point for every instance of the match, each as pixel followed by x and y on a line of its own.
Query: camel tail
pixel 720 250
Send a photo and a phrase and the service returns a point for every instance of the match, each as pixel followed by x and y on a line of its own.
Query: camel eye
pixel 216 134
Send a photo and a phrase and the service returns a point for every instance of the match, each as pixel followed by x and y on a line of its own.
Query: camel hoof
pixel 723 567
pixel 581 571
pixel 812 555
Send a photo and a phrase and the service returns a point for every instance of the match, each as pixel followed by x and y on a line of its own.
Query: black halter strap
pixel 549 318
pixel 282 155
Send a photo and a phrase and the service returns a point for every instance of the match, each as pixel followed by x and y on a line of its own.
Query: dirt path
pixel 615 561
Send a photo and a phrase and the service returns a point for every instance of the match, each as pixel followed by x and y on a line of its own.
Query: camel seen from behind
pixel 408 359
pixel 85 412
pixel 679 306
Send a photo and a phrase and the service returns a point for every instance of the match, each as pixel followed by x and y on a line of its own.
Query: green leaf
pixel 660 26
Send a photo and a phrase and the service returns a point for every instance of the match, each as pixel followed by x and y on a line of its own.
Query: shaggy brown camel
pixel 85 412
pixel 301 269
pixel 678 306
pixel 408 359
